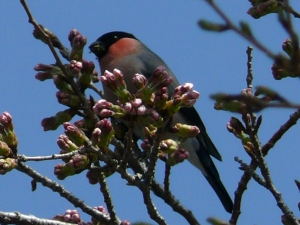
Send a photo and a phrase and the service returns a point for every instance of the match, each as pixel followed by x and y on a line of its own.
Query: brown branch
pixel 254 175
pixel 24 158
pixel 18 218
pixel 249 78
pixel 281 131
pixel 167 178
pixel 269 183
pixel 128 149
pixel 151 209
pixel 242 185
pixel 55 187
pixel 107 199
pixel 159 191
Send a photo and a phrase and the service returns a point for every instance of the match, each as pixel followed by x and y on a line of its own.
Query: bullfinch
pixel 125 52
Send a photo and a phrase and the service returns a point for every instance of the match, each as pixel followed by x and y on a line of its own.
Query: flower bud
pixel 101 104
pixel 78 42
pixel 85 78
pixel 7 165
pixel 236 127
pixel 107 132
pixel 6 121
pixel 79 162
pixel 168 146
pixel 160 98
pixel 139 80
pixel 115 82
pixel 158 80
pixel 184 130
pixel 43 76
pixel 62 85
pixel 95 138
pixel 4 149
pixel 52 123
pixel 66 144
pixel 68 99
pixel 92 176
pixel 75 134
pixel 73 33
pixel 63 170
pixel 177 157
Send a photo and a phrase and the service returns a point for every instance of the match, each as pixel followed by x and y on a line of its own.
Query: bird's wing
pixel 150 62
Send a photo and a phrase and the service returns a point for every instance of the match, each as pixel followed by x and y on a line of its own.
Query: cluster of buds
pixel 8 143
pixel 83 72
pixel 175 153
pixel 102 134
pixel 76 164
pixel 73 139
pixel 160 79
pixel 262 7
pixel 70 216
pixel 149 105
pixel 172 150
pixel 116 83
pixel 46 72
pixel 287 66
pixel 77 41
pixel 184 96
pixel 177 157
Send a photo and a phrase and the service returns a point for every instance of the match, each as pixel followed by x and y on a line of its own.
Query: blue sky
pixel 212 62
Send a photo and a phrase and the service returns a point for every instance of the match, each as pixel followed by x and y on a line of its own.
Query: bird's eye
pixel 115 37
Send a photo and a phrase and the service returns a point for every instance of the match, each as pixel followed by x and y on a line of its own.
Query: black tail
pixel 213 178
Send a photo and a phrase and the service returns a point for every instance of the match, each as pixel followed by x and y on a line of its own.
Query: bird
pixel 123 51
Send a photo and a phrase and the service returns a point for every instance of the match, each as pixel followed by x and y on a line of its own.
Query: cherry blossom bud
pixel 139 81
pixel 66 144
pixel 184 130
pixel 52 123
pixel 75 134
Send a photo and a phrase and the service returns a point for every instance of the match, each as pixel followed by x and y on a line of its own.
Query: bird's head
pixel 101 46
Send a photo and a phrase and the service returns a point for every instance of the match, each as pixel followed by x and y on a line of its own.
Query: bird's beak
pixel 97 48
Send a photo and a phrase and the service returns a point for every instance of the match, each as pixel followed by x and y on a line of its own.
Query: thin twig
pixel 149 175
pixel 269 183
pixel 107 199
pixel 249 78
pixel 169 198
pixel 18 218
pixel 254 175
pixel 281 131
pixel 59 63
pixel 54 186
pixel 151 209
pixel 167 178
pixel 23 158
pixel 238 31
pixel 128 149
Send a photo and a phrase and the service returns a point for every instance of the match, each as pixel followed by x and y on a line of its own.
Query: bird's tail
pixel 220 190
pixel 213 178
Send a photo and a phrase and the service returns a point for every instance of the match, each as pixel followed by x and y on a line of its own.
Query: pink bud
pixel 141 110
